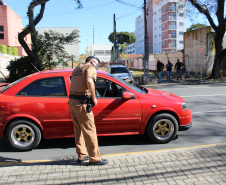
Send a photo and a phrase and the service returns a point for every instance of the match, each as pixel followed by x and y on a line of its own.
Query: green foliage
pixel 15 51
pixel 122 38
pixel 3 49
pixel 9 50
pixel 23 67
pixel 196 26
pixel 51 47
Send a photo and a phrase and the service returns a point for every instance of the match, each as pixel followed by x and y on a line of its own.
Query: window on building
pixel 181 24
pixel 98 52
pixel 163 8
pixel 181 42
pixel 163 17
pixel 181 33
pixel 181 15
pixel 172 7
pixel 1 35
pixel 1 28
pixel 163 34
pixel 163 43
pixel 181 5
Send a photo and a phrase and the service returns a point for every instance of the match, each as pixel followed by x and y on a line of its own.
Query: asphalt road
pixel 207 103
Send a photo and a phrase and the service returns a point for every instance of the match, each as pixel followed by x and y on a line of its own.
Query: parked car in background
pixel 122 72
pixel 35 107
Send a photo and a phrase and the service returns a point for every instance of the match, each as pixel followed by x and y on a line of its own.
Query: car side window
pixel 106 88
pixel 45 87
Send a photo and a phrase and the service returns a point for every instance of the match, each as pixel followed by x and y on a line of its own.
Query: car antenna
pixel 35 67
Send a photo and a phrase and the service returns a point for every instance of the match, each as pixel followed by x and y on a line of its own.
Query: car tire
pixel 23 135
pixel 162 128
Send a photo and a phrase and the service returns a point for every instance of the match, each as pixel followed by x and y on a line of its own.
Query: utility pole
pixel 114 54
pixel 146 52
pixel 114 32
pixel 93 34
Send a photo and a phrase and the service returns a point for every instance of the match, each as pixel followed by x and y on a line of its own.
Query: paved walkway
pixel 194 165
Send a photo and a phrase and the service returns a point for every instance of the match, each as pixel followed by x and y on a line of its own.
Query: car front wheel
pixel 162 128
pixel 23 135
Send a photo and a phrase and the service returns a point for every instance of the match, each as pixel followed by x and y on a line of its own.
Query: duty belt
pixel 82 98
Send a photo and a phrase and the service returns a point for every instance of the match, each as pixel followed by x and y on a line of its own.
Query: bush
pixel 23 67
pixel 3 49
pixel 9 50
pixel 15 51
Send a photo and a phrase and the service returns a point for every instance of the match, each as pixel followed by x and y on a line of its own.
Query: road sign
pixel 200 50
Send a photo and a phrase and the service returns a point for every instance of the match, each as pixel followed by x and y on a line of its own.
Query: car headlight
pixel 185 106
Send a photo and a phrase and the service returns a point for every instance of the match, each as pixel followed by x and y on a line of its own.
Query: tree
pixel 214 10
pixel 51 47
pixel 196 26
pixel 122 38
pixel 30 29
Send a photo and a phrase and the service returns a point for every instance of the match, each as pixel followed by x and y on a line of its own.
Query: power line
pixel 127 14
pixel 128 4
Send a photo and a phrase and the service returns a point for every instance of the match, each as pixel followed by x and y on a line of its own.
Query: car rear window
pixel 119 70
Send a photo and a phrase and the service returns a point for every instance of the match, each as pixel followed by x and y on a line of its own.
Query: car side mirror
pixel 127 95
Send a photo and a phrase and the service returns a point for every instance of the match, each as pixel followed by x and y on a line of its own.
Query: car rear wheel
pixel 162 128
pixel 23 135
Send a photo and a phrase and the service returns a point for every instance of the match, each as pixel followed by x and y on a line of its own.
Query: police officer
pixel 83 86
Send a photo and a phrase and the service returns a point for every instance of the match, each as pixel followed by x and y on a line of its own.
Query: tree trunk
pixel 31 28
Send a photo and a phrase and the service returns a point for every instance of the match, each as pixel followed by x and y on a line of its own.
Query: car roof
pixel 61 71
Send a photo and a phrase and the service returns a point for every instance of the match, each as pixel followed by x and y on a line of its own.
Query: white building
pixel 131 49
pixel 139 34
pixel 72 49
pixel 101 51
pixel 166 25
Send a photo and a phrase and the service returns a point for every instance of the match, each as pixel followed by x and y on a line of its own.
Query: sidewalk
pixel 193 165
pixel 187 81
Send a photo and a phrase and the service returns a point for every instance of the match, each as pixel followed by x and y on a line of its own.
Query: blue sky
pixel 95 13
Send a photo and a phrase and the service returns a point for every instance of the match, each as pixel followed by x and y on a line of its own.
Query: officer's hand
pixel 95 102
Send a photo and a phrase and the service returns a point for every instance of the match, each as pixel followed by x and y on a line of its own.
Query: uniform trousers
pixel 85 132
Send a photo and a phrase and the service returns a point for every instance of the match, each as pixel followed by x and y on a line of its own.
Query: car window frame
pixel 56 77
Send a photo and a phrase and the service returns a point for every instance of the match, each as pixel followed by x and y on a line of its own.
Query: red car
pixel 35 107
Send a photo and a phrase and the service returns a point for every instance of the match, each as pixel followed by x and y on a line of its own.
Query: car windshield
pixel 140 90
pixel 11 84
pixel 119 70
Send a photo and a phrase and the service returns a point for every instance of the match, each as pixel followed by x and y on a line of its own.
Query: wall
pixel 4 62
pixel 193 40
pixel 136 61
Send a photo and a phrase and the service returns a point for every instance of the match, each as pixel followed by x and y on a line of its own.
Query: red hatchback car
pixel 35 107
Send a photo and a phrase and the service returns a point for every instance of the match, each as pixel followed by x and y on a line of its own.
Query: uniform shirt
pixel 78 80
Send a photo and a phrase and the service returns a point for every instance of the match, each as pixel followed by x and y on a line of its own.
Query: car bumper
pixel 185 127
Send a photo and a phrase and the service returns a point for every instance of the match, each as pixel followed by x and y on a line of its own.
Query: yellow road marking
pixel 107 155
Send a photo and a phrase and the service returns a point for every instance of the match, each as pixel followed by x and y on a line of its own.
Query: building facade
pixel 139 34
pixel 10 26
pixel 101 51
pixel 71 49
pixel 166 25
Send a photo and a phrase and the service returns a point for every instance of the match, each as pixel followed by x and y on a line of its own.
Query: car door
pixel 46 100
pixel 112 113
